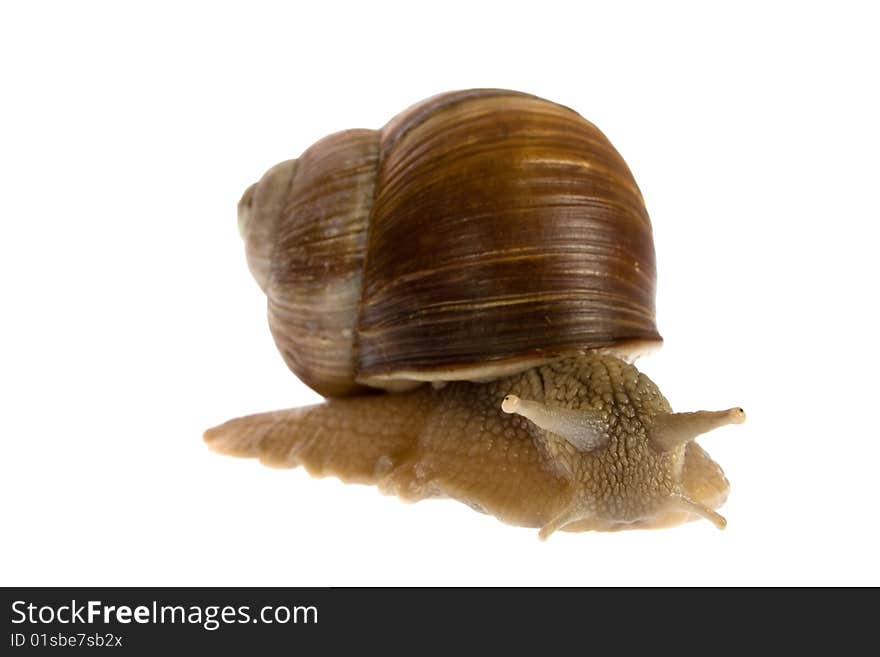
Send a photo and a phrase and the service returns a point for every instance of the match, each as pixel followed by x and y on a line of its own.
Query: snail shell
pixel 478 234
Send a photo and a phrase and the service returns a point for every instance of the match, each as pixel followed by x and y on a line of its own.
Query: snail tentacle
pixel 571 514
pixel 582 429
pixel 687 504
pixel 672 430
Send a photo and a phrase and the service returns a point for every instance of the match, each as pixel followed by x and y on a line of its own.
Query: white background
pixel 131 324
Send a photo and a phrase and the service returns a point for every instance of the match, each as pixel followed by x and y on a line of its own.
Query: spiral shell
pixel 479 233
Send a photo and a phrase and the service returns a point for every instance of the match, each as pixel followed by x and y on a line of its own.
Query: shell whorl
pixel 506 231
pixel 259 212
pixel 308 247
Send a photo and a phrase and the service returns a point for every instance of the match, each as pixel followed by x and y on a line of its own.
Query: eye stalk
pixel 671 430
pixel 583 429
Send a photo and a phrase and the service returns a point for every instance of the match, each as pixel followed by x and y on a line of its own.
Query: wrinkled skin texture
pixel 456 442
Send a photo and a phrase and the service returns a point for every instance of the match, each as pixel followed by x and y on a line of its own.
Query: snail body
pixel 494 244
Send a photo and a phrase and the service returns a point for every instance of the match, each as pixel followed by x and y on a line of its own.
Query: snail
pixel 468 286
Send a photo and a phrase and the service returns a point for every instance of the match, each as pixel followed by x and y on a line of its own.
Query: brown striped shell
pixel 477 234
